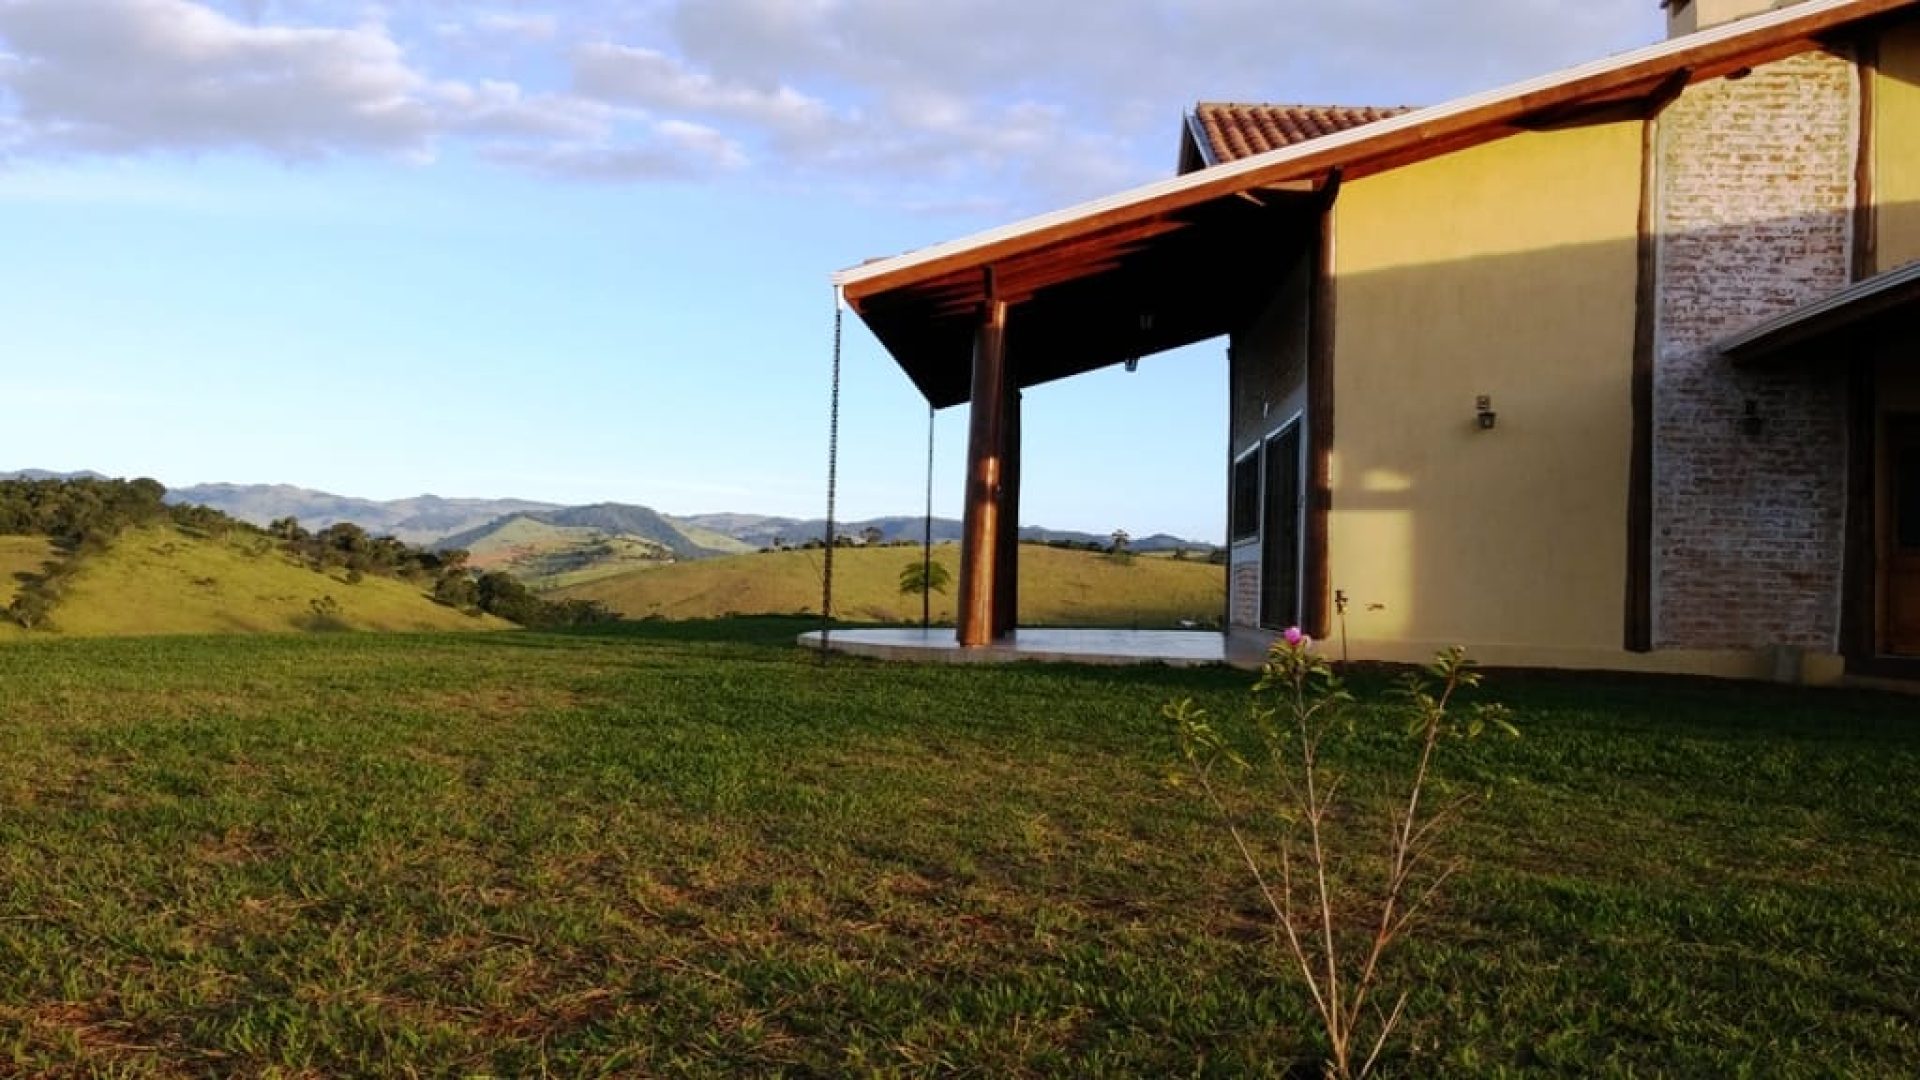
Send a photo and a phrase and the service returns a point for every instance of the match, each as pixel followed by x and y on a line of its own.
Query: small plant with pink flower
pixel 1340 894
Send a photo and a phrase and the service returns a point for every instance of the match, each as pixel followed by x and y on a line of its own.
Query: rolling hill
pixel 550 545
pixel 536 551
pixel 418 520
pixel 446 523
pixel 582 542
pixel 161 579
pixel 1057 588
pixel 759 531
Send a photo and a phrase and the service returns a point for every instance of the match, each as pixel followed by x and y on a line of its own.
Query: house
pixel 1617 368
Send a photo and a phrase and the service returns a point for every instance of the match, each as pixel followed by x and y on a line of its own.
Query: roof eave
pixel 1832 314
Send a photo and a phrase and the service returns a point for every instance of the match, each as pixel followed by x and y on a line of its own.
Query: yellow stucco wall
pixel 1506 270
pixel 1897 146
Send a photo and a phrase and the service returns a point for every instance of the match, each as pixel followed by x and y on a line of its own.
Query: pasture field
pixel 1058 587
pixel 692 849
pixel 161 579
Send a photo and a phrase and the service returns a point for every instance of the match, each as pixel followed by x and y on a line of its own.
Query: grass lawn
pixel 687 849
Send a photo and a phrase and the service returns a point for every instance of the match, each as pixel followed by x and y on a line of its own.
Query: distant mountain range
pixel 476 523
pixel 420 520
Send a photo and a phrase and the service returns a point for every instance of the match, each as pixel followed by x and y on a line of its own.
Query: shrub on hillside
pixel 31 608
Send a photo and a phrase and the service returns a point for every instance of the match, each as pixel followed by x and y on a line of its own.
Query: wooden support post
pixel 1646 325
pixel 1866 209
pixel 1859 590
pixel 1006 605
pixel 986 445
pixel 1316 608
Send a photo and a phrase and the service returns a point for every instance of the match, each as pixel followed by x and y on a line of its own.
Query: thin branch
pixel 1380 1041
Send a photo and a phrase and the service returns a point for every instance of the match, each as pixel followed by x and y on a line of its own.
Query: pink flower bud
pixel 1293 636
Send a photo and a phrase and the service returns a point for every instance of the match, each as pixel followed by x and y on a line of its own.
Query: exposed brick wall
pixel 1243 586
pixel 1755 184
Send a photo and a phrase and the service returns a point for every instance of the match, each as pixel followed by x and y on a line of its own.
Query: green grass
pixel 687 849
pixel 1057 587
pixel 163 580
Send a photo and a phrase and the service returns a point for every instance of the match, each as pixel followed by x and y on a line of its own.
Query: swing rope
pixel 833 485
pixel 926 537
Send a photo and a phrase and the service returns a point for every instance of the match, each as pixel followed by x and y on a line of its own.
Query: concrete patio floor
pixel 1176 648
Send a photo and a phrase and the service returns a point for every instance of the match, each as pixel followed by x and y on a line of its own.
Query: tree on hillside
pixel 920 576
pixel 872 536
pixel 500 593
pixel 457 589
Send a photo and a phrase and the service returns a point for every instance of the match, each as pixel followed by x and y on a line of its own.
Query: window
pixel 1906 494
pixel 1246 499
pixel 1280 536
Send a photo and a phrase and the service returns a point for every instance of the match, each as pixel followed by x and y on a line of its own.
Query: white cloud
pixel 124 77
pixel 951 103
pixel 503 110
pixel 523 26
pixel 116 76
pixel 667 150
pixel 653 80
pixel 1044 101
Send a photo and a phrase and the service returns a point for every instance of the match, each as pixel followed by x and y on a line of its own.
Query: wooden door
pixel 1900 584
pixel 1280 532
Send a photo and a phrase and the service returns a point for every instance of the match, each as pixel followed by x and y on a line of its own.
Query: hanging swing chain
pixel 833 486
pixel 926 537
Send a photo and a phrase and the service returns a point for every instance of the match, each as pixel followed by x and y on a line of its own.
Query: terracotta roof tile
pixel 1236 131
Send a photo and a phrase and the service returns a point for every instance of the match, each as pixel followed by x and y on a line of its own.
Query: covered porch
pixel 1869 334
pixel 978 326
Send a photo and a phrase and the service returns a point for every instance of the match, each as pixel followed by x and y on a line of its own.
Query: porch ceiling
pixel 1100 298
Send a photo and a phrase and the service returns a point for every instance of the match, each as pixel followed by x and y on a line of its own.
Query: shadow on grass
pixel 1618 702
pixel 750 631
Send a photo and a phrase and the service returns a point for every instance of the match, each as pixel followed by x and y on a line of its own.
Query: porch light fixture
pixel 1483 412
pixel 1752 424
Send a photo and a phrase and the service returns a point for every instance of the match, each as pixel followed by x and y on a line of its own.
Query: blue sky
pixel 580 251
